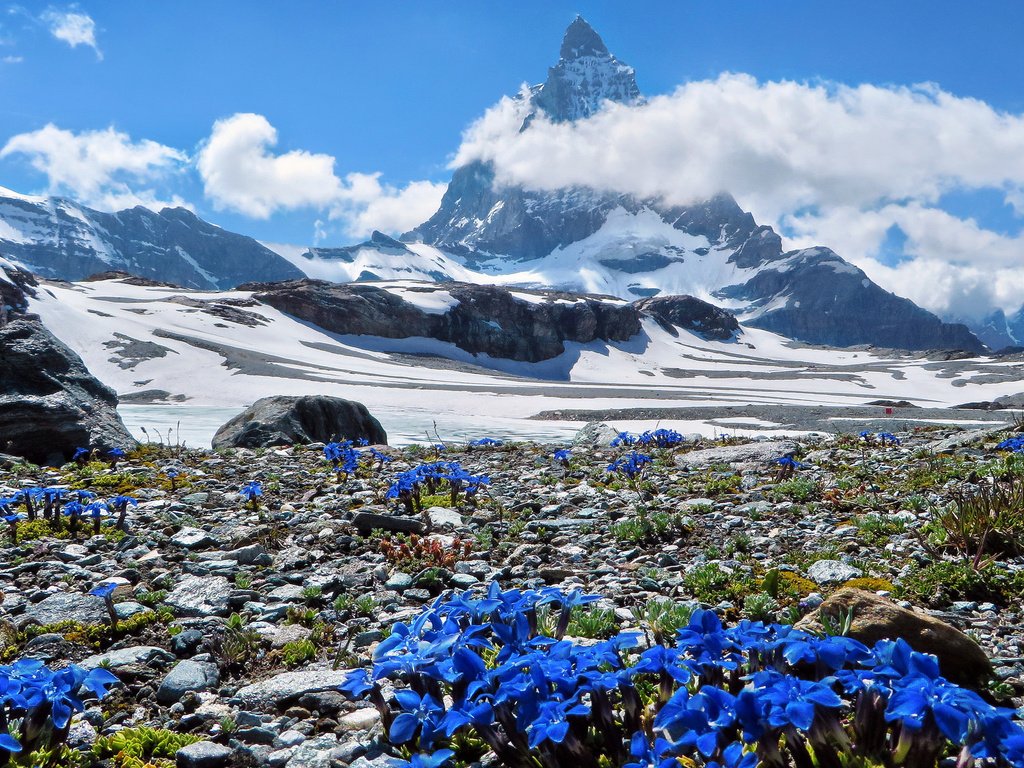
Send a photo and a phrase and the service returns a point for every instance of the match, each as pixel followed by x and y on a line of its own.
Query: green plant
pixel 298 652
pixel 663 618
pixel 798 489
pixel 243 580
pixel 739 543
pixel 142 747
pixel 878 529
pixel 939 583
pixel 365 605
pixel 838 623
pixel 984 520
pixel 312 595
pixel 238 645
pixel 710 583
pixel 760 607
pixel 650 527
pixel 595 623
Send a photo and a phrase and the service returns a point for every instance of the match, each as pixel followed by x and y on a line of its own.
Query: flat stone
pixel 288 633
pixel 203 754
pixel 370 521
pixel 66 606
pixel 595 434
pixel 832 572
pixel 200 596
pixel 194 538
pixel 124 657
pixel 444 519
pixel 360 720
pixel 188 675
pixel 254 554
pixel 750 453
pixel 558 523
pixel 399 582
pixel 286 686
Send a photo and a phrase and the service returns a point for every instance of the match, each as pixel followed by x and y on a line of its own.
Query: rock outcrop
pixel 49 403
pixel 690 313
pixel 512 324
pixel 285 420
pixel 877 618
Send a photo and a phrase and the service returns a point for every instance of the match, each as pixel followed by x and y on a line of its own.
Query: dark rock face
pixel 71 242
pixel 830 301
pixel 482 319
pixel 298 420
pixel 49 403
pixel 691 313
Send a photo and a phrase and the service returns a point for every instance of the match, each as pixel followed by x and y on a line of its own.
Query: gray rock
pixel 692 314
pixel 832 572
pixel 187 676
pixel 594 434
pixel 284 687
pixel 444 519
pixel 287 420
pixel 66 606
pixel 399 582
pixel 124 657
pixel 974 437
pixel 750 453
pixel 200 596
pixel 371 521
pixel 203 754
pixel 50 404
pixel 254 554
pixel 194 538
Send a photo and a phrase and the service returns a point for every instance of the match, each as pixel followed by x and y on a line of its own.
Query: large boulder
pixel 284 420
pixel 691 313
pixel 49 403
pixel 877 618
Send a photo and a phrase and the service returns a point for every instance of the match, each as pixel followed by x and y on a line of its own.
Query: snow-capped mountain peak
pixel 586 76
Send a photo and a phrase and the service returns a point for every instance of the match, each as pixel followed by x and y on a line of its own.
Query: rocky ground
pixel 236 621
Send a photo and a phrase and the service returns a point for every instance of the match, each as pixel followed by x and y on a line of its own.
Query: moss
pixel 871 584
pixel 794 585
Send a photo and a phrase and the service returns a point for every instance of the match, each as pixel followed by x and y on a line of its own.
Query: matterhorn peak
pixel 581 40
pixel 585 77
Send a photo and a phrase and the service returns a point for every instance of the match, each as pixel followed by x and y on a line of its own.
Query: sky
pixel 891 132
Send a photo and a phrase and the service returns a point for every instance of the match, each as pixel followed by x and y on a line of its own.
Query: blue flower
pixel 104 590
pixel 417 711
pixel 433 760
pixel 251 490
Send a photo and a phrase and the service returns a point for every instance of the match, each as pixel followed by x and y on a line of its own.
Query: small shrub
pixel 141 747
pixel 594 623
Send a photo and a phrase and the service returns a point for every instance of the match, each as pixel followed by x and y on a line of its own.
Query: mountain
pixel 998 331
pixel 57 238
pixel 599 241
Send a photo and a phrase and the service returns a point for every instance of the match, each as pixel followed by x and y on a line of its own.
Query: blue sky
pixel 131 93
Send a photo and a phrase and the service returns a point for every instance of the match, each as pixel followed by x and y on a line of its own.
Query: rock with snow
pixel 290 420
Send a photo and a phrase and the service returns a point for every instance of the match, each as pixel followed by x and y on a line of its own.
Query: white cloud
pixel 72 27
pixel 368 205
pixel 13 59
pixel 103 169
pixel 860 158
pixel 240 172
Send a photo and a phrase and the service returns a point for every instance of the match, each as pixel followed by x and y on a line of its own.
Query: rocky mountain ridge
pixel 58 238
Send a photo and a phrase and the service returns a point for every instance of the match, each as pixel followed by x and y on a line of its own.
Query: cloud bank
pixel 823 163
pixel 102 169
pixel 241 172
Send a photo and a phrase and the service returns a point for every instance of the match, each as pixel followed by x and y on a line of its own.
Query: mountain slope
pixel 596 240
pixel 55 237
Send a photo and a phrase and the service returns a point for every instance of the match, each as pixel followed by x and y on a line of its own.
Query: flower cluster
pixel 408 485
pixel 485 442
pixel 659 438
pixel 36 703
pixel 53 504
pixel 630 465
pixel 479 678
pixel 1014 444
pixel 884 438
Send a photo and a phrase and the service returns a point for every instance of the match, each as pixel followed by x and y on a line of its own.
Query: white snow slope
pixel 224 349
